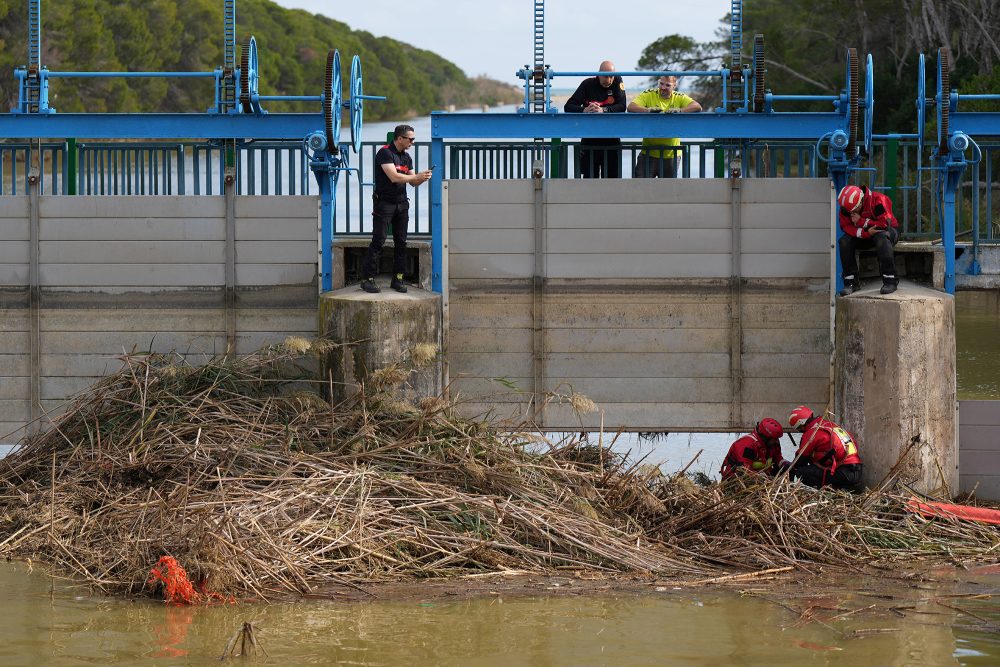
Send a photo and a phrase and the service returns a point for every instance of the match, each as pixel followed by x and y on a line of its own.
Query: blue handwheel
pixel 869 101
pixel 921 102
pixel 331 100
pixel 357 103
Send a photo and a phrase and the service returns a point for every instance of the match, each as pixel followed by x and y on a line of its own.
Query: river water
pixel 52 623
pixel 60 625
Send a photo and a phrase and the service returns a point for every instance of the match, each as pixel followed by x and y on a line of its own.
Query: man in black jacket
pixel 390 205
pixel 600 94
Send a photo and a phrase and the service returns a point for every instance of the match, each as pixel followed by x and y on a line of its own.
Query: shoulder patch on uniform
pixel 621 84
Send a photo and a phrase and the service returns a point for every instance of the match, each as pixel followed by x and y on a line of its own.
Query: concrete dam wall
pixel 673 304
pixel 84 279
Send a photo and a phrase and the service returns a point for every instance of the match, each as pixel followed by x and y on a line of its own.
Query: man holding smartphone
pixel 390 205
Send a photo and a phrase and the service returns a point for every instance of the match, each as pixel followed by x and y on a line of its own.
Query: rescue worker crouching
pixel 758 451
pixel 867 221
pixel 827 453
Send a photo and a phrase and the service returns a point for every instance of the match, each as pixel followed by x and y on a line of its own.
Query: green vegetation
pixel 187 35
pixel 805 43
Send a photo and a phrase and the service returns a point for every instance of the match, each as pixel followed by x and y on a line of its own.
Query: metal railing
pixel 15 163
pixel 276 168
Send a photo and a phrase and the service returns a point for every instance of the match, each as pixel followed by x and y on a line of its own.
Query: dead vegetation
pixel 261 488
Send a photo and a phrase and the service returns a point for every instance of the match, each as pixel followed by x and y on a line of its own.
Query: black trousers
pixel 384 213
pixel 600 161
pixel 883 244
pixel 846 477
pixel 647 166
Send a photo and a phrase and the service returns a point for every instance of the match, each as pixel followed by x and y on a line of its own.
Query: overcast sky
pixel 494 38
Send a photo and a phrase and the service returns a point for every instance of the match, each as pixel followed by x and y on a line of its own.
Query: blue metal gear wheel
pixel 853 92
pixel 943 98
pixel 249 78
pixel 758 74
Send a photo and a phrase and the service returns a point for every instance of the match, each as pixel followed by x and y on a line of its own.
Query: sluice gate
pixel 697 305
pixel 84 280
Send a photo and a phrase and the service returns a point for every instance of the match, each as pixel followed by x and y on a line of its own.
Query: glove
pixel 655 110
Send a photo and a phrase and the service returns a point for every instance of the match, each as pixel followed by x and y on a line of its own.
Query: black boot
pixel 368 285
pixel 851 285
pixel 889 284
pixel 397 283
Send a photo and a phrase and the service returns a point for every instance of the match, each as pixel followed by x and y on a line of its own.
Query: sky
pixel 495 38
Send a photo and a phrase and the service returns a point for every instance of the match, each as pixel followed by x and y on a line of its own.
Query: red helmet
pixel 800 417
pixel 769 429
pixel 851 198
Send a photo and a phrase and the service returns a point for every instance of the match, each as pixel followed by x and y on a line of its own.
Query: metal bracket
pixel 230 186
pixel 538 292
pixel 736 301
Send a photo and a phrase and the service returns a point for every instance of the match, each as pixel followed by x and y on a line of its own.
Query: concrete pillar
pixel 377 331
pixel 895 383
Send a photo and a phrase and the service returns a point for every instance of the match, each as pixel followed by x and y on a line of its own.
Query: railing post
pixel 34 283
pixel 555 158
pixel 69 180
pixel 437 212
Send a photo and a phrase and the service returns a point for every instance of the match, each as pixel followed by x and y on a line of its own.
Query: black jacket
pixel 612 98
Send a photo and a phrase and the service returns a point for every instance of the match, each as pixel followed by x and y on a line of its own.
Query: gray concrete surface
pixel 979 448
pixel 639 303
pixel 135 274
pixel 894 367
pixel 376 331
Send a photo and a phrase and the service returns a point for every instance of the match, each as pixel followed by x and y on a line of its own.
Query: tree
pixel 806 42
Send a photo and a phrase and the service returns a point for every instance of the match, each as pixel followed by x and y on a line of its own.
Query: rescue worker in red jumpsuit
pixel 867 220
pixel 759 451
pixel 827 454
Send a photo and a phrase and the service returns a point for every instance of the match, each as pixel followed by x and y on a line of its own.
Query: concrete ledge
pixel 418 257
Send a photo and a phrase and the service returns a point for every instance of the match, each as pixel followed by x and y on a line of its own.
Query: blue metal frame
pixel 949 160
pixel 735 126
pixel 159 125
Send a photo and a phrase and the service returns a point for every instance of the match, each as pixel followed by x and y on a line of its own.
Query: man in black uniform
pixel 600 94
pixel 393 171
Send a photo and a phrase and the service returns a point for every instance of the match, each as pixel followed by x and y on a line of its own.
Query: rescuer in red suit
pixel 759 451
pixel 867 220
pixel 827 454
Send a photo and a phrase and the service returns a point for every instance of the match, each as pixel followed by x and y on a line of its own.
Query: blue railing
pixel 273 168
pixel 15 159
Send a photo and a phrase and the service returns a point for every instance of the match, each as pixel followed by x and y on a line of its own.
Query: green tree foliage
pixel 187 36
pixel 806 42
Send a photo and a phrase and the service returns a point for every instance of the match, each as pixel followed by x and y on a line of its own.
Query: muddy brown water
pixel 49 622
pixel 977 339
pixel 928 625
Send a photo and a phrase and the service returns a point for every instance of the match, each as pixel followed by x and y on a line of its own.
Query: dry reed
pixel 262 489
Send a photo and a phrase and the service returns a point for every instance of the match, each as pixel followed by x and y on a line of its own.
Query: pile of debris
pixel 258 486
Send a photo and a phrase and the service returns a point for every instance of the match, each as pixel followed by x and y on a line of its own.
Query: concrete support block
pixel 895 383
pixel 377 331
